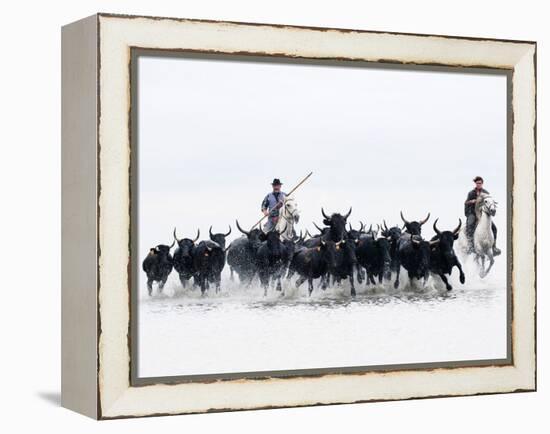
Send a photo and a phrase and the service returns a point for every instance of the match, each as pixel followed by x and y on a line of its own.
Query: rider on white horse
pixel 272 204
pixel 471 217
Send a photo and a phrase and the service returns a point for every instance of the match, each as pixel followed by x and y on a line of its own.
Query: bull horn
pixel 414 241
pixel 437 231
pixel 175 236
pixel 348 214
pixel 227 234
pixel 362 226
pixel 198 235
pixel 377 228
pixel 385 225
pixel 228 247
pixel 403 218
pixel 324 215
pixel 434 242
pixel 172 245
pixel 241 229
pixel 210 232
pixel 350 227
pixel 370 228
pixel 308 234
pixel 457 230
pixel 425 220
pixel 318 228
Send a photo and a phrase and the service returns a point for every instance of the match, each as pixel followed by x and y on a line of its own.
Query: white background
pixel 30 217
pixel 213 134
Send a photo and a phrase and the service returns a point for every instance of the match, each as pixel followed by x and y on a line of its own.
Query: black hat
pixel 276 181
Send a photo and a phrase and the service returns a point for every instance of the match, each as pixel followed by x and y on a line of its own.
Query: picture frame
pixel 98 270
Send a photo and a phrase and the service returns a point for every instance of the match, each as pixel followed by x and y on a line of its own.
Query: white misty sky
pixel 214 133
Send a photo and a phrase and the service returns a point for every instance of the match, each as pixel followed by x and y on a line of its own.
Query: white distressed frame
pixel 116 34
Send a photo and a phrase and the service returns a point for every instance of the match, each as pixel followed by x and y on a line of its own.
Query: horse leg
pixel 310 285
pixel 482 273
pixel 491 262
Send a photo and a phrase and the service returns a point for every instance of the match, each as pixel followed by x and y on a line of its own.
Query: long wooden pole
pixel 287 195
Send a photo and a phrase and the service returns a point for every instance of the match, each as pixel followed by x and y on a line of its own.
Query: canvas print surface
pixel 392 251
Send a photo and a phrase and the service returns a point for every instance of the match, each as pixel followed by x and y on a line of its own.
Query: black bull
pixel 443 257
pixel 374 255
pixel 345 258
pixel 157 266
pixel 208 263
pixel 314 262
pixel 241 255
pixel 271 259
pixel 183 257
pixel 413 253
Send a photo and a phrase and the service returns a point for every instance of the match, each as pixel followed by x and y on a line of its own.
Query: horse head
pixel 486 204
pixel 290 210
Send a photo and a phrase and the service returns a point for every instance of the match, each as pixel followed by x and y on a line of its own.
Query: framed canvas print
pixel 262 216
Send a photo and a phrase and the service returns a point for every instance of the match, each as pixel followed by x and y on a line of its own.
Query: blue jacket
pixel 271 200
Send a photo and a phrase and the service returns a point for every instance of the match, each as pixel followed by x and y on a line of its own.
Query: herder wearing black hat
pixel 272 203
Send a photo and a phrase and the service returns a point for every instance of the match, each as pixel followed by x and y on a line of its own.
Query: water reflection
pixel 332 299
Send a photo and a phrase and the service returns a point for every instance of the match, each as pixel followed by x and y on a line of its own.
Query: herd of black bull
pixel 338 252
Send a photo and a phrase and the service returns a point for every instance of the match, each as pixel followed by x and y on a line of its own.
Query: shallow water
pixel 239 330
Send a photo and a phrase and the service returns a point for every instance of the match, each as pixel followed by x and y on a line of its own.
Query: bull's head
pixel 355 234
pixel 414 227
pixel 393 234
pixel 423 252
pixel 219 237
pixel 161 249
pixel 445 239
pixel 186 244
pixel 252 234
pixel 337 224
pixel 272 235
pixel 327 250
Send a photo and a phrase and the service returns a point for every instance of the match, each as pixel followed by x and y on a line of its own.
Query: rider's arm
pixel 265 206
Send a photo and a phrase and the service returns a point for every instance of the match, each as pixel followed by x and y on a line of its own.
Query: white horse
pixel 483 240
pixel 289 216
